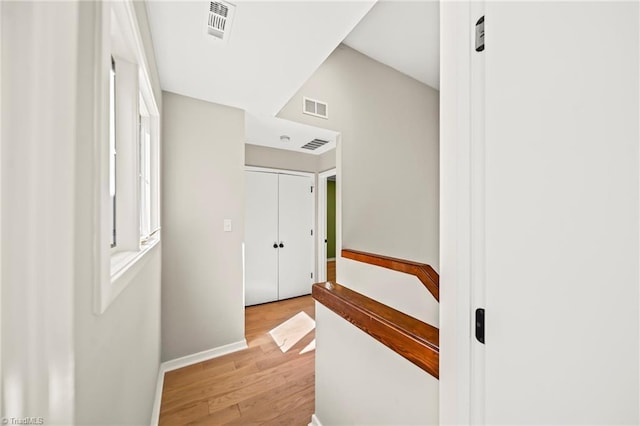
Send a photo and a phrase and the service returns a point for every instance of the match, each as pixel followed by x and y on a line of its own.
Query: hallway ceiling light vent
pixel 315 144
pixel 219 18
pixel 315 108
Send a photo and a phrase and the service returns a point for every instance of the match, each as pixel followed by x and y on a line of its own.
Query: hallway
pixel 259 385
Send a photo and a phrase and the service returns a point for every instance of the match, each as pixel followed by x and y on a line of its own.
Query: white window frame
pixel 115 267
pixel 112 150
pixel 322 224
pixel 145 177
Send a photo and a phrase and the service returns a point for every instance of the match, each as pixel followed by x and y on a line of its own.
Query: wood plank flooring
pixel 331 271
pixel 259 385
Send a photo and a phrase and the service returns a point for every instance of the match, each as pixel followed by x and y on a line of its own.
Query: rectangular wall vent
pixel 315 108
pixel 219 19
pixel 315 144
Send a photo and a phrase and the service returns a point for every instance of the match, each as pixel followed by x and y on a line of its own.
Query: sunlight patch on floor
pixel 310 347
pixel 290 332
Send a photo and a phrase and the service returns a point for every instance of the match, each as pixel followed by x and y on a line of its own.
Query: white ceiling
pixel 273 48
pixel 404 35
pixel 266 131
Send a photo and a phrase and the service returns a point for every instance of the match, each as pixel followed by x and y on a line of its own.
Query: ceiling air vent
pixel 315 144
pixel 315 108
pixel 219 18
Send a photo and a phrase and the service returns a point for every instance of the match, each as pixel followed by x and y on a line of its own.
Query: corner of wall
pixel 203 185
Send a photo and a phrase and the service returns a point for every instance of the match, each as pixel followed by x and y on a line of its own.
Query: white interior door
pixel 295 225
pixel 261 234
pixel 562 213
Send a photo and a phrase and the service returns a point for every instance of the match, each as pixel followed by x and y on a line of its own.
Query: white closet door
pixel 261 233
pixel 295 225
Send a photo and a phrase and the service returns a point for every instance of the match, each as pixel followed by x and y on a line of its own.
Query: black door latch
pixel 480 325
pixel 480 35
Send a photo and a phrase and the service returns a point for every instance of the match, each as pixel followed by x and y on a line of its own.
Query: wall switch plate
pixel 227 225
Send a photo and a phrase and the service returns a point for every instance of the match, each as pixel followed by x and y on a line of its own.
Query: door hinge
pixel 312 232
pixel 480 325
pixel 312 275
pixel 312 189
pixel 480 34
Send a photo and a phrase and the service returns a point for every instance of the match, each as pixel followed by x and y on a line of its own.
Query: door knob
pixel 275 245
pixel 281 245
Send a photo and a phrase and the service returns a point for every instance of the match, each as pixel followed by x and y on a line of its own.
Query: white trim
pixel 338 203
pixel 315 421
pixel 476 212
pixel 109 283
pixel 157 400
pixel 125 266
pixel 101 215
pixel 456 220
pixel 331 259
pixel 1 376
pixel 186 361
pixel 322 223
pixel 280 171
pixel 145 83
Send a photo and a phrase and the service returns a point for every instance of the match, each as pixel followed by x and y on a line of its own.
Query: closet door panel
pixel 295 225
pixel 261 233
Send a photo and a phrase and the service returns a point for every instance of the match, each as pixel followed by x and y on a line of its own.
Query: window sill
pixel 122 268
pixel 127 263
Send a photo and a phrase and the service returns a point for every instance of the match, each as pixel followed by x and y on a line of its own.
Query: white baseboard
pixel 185 361
pixel 155 414
pixel 315 421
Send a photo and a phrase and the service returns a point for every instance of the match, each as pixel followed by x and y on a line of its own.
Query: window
pixel 128 177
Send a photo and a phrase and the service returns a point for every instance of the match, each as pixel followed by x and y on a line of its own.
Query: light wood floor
pixel 331 271
pixel 259 385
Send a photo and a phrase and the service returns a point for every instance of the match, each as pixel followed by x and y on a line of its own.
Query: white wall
pixel 203 184
pixel 118 352
pixel 38 209
pixel 554 214
pixel 264 156
pixel 396 289
pixel 366 383
pixel 60 360
pixel 389 176
pixel 387 203
pixel 327 161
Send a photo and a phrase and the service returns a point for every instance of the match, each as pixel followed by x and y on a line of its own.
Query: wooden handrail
pixel 413 339
pixel 425 273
